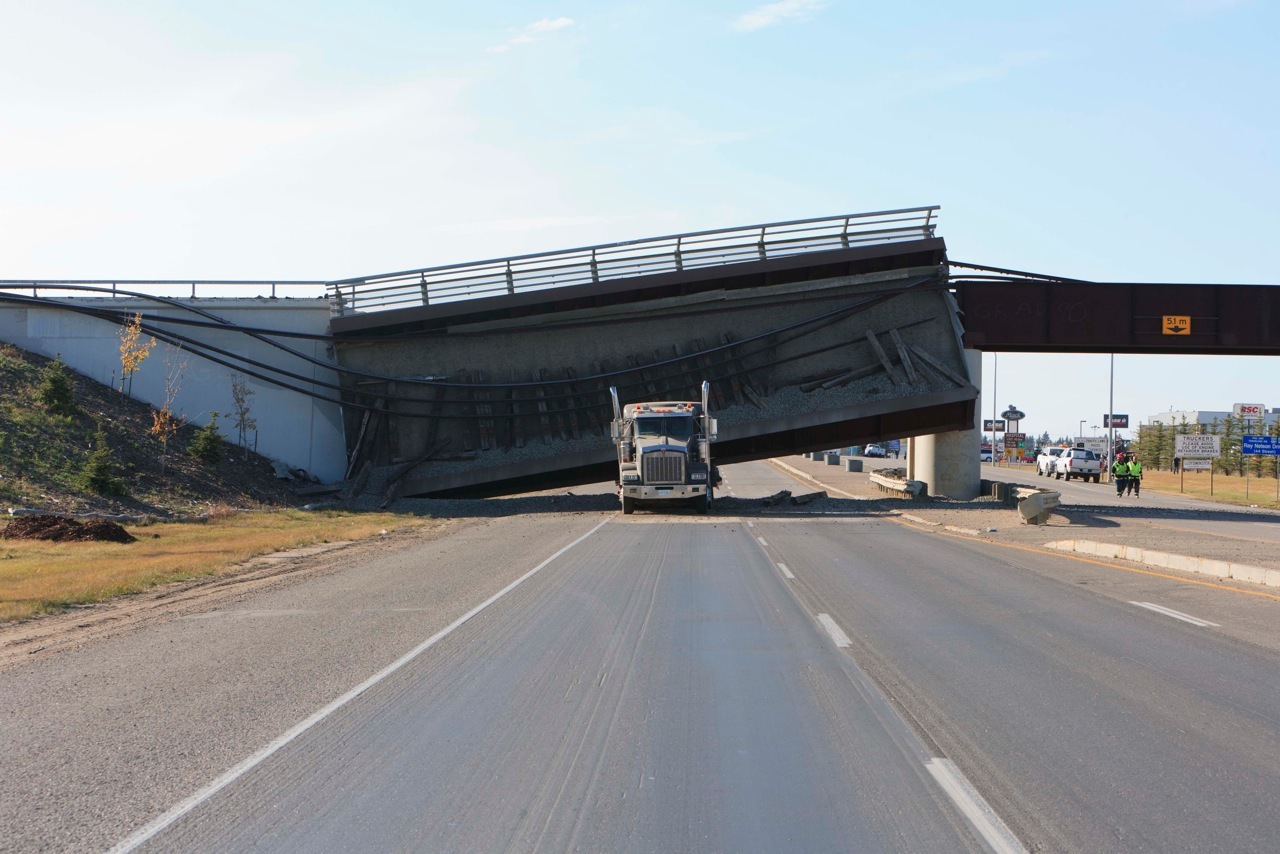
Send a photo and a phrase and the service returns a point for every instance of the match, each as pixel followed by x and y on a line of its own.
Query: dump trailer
pixel 664 452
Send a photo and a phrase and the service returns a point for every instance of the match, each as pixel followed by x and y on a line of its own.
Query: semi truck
pixel 664 452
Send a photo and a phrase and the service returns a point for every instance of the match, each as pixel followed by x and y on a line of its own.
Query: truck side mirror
pixel 614 430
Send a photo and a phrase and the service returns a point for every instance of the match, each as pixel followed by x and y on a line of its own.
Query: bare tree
pixel 164 423
pixel 244 421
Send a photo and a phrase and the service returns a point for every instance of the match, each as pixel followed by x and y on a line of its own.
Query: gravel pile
pixel 58 529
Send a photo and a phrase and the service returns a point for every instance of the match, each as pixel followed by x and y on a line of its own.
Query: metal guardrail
pixel 127 287
pixel 593 264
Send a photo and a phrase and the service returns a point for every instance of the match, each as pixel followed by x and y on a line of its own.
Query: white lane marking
pixel 974 806
pixel 762 542
pixel 837 633
pixel 786 573
pixel 149 830
pixel 1177 615
pixel 750 524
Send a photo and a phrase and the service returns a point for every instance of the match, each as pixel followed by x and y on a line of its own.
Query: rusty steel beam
pixel 1092 317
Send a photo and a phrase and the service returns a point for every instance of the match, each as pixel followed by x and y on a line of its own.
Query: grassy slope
pixel 42 455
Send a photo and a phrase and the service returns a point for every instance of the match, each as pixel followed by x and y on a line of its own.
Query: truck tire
pixel 628 505
pixel 1097 478
pixel 703 503
pixel 1039 472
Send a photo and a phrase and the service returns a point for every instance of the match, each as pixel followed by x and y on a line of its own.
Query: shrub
pixel 99 472
pixel 57 390
pixel 207 445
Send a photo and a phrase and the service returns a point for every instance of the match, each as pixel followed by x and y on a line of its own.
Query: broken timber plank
pixel 938 366
pixel 883 357
pixel 912 376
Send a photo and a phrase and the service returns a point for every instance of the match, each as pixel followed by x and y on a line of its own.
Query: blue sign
pixel 1268 446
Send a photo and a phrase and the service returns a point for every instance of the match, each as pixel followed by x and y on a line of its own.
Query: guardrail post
pixel 760 245
pixel 679 258
pixel 426 297
pixel 511 280
pixel 193 290
pixel 595 271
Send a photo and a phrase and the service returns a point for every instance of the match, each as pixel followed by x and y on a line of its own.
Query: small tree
pixel 164 423
pixel 99 472
pixel 244 421
pixel 133 350
pixel 57 390
pixel 207 445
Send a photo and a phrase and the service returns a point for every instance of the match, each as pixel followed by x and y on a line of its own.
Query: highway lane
pixel 655 688
pixel 1089 723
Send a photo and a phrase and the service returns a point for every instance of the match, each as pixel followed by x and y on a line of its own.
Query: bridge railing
pixel 173 288
pixel 593 264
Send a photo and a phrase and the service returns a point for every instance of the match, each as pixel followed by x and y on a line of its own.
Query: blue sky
pixel 1131 141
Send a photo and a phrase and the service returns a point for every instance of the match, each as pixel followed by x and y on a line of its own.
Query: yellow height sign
pixel 1176 324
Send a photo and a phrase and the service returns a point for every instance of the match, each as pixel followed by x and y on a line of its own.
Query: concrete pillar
pixel 948 462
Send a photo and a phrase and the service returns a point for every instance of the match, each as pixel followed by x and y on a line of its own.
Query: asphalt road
pixel 672 682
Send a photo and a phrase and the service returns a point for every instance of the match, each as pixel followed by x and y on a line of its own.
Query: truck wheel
pixel 1097 478
pixel 703 503
pixel 628 505
pixel 1039 472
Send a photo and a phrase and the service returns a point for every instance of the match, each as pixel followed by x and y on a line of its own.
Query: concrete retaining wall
pixel 292 427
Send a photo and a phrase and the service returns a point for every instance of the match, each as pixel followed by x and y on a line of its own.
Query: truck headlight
pixel 698 475
pixel 630 477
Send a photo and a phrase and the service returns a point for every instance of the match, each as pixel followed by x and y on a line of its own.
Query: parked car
pixel 1078 462
pixel 984 456
pixel 874 451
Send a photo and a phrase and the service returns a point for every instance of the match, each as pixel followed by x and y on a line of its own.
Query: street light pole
pixel 1080 434
pixel 1111 419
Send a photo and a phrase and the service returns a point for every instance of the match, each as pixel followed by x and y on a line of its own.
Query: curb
pixel 1186 563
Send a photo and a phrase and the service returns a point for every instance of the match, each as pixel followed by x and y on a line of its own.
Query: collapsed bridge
pixel 493 378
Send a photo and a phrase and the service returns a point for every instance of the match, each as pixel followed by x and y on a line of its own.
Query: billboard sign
pixel 1193 445
pixel 1120 422
pixel 990 425
pixel 1262 446
pixel 1249 410
pixel 1013 413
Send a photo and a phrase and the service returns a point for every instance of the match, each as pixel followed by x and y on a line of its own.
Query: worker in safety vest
pixel 1120 473
pixel 1135 476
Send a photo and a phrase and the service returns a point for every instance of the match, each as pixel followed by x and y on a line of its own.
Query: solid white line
pixel 762 542
pixel 146 832
pixel 750 524
pixel 786 573
pixel 974 806
pixel 837 633
pixel 1177 615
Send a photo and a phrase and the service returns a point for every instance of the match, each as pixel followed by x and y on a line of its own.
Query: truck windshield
pixel 680 428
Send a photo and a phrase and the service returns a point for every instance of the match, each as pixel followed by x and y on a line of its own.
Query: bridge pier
pixel 948 462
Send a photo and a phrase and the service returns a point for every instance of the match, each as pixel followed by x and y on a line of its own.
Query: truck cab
pixel 664 452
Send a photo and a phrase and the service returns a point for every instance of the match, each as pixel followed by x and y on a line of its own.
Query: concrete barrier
pixel 852 465
pixel 833 459
pixel 1035 506
pixel 911 489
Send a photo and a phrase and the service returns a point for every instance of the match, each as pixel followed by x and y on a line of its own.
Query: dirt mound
pixel 61 530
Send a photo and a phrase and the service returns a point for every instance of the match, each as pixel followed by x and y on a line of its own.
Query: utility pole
pixel 1111 419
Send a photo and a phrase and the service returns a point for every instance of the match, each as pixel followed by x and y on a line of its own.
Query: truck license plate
pixel 664 491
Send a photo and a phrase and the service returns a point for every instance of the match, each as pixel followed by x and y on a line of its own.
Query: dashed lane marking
pixel 1177 615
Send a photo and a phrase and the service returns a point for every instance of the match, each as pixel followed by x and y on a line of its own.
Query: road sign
pixel 1249 410
pixel 1262 446
pixel 1176 324
pixel 1012 441
pixel 1013 413
pixel 1115 420
pixel 1197 465
pixel 1197 445
pixel 990 425
pixel 1097 444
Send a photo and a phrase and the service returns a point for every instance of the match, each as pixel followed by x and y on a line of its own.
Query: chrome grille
pixel 663 467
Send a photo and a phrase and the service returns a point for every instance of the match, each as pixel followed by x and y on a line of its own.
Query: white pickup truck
pixel 1046 460
pixel 1078 462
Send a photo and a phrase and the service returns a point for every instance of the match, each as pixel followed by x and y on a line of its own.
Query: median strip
pixel 1186 563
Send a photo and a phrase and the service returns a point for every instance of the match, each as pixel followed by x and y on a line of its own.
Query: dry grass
pixel 1226 489
pixel 40 577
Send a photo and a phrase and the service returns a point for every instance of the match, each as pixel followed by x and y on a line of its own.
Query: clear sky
pixel 1110 141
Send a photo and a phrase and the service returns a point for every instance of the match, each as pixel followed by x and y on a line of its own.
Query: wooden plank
pixel 517 427
pixel 938 366
pixel 912 377
pixel 544 419
pixel 883 357
pixel 572 402
pixel 484 409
